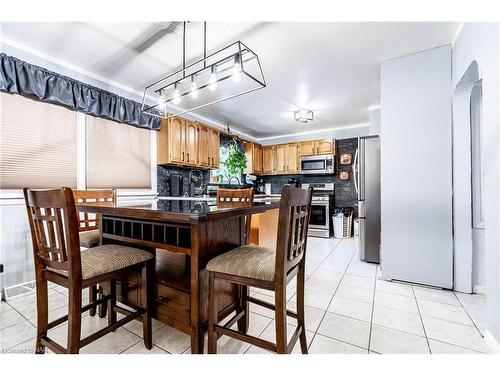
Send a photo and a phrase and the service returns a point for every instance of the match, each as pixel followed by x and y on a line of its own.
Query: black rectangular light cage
pixel 230 72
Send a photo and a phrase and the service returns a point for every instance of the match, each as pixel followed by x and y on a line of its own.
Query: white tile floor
pixel 348 310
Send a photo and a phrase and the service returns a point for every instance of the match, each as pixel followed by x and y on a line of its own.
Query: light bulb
pixel 194 88
pixel 176 96
pixel 212 81
pixel 237 69
pixel 161 103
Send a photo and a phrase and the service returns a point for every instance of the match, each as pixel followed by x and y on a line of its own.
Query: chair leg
pixel 280 319
pixel 103 307
pixel 110 290
pixel 74 319
pixel 300 308
pixel 212 314
pixel 42 308
pixel 244 321
pixel 147 331
pixel 92 298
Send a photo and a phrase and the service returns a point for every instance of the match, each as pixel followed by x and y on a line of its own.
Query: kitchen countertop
pixel 257 198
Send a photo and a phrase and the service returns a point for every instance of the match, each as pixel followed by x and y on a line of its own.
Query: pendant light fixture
pixel 303 115
pixel 206 81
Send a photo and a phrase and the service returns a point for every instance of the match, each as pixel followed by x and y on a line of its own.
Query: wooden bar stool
pixel 229 198
pixel 56 248
pixel 88 227
pixel 261 267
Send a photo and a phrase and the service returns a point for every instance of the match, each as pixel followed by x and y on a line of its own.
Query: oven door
pixel 320 215
pixel 312 165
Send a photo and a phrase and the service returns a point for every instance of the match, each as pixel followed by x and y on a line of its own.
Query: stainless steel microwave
pixel 317 164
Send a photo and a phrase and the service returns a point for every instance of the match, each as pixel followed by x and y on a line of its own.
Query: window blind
pixel 118 155
pixel 37 144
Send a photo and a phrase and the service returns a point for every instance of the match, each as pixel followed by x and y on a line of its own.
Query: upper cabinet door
pixel 280 159
pixel 214 148
pixel 191 143
pixel 204 135
pixel 257 158
pixel 176 139
pixel 306 148
pixel 292 158
pixel 248 148
pixel 325 146
pixel 162 149
pixel 268 159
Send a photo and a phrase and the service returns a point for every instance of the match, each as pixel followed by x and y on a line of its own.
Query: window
pixel 118 155
pixel 476 165
pixel 221 175
pixel 38 144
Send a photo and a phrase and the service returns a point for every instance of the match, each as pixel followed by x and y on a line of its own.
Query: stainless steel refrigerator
pixel 367 183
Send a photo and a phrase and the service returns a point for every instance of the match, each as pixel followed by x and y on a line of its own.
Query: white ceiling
pixel 331 68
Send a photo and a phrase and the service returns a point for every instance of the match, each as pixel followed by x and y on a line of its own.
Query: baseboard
pixel 491 342
pixel 478 289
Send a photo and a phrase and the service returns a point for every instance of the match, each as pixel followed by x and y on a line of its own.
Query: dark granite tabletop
pixel 175 210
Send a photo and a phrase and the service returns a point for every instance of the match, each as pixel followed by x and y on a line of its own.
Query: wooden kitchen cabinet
pixel 317 147
pixel 306 148
pixel 280 159
pixel 257 158
pixel 214 148
pixel 325 146
pixel 204 145
pixel 286 158
pixel 253 153
pixel 191 142
pixel 187 143
pixel 268 160
pixel 292 158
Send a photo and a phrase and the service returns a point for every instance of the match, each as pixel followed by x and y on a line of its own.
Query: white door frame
pixel 462 215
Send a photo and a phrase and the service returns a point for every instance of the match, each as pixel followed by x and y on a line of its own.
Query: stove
pixel 322 205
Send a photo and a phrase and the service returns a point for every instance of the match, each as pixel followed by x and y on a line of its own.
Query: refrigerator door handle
pixel 361 209
pixel 355 171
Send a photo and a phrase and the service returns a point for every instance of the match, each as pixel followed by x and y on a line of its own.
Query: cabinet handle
pixel 183 156
pixel 213 161
pixel 188 157
pixel 209 160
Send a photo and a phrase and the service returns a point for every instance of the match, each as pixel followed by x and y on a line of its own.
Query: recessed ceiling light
pixel 303 115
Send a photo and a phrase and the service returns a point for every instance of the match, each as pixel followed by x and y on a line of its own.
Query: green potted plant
pixel 235 162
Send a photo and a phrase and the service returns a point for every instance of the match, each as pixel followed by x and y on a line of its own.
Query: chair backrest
pixel 234 197
pixel 54 229
pixel 89 221
pixel 293 223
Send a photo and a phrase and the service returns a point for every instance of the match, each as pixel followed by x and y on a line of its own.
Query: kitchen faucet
pixel 237 179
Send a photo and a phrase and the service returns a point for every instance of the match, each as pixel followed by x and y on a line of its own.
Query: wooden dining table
pixel 183 235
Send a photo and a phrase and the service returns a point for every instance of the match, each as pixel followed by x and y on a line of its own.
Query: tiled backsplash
pixel 164 178
pixel 345 192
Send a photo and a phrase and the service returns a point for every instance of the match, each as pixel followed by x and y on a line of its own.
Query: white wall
pixel 479 42
pixel 416 184
pixel 310 134
pixel 375 121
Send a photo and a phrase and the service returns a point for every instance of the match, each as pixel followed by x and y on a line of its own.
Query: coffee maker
pixel 292 181
pixel 260 186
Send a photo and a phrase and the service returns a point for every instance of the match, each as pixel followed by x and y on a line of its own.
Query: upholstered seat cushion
pixel 255 262
pixel 108 258
pixel 89 238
